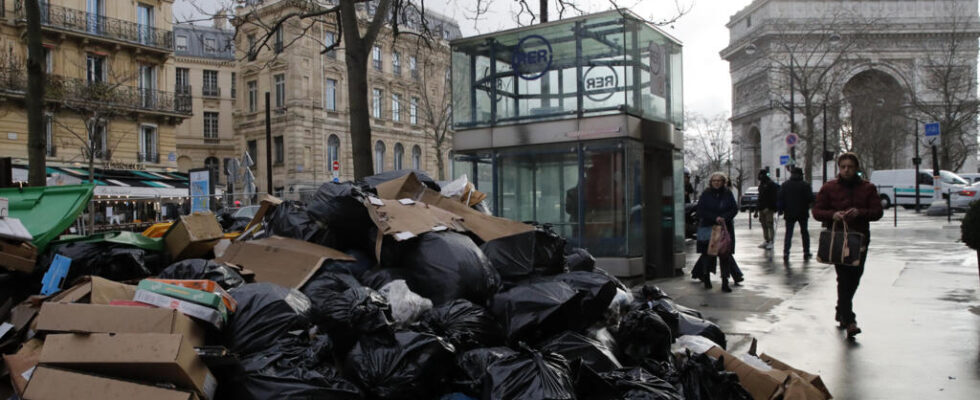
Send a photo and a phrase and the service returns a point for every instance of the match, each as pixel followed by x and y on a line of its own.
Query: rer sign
pixel 532 57
pixel 783 160
pixel 932 129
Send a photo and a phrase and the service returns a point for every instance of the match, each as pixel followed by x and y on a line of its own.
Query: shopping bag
pixel 721 242
pixel 839 246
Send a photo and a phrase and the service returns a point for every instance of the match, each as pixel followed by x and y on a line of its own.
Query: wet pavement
pixel 918 305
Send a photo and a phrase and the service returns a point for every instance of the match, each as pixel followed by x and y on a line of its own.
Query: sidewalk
pixel 918 305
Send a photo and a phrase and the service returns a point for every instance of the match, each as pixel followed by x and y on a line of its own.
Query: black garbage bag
pixel 530 374
pixel 444 266
pixel 533 253
pixel 665 370
pixel 464 324
pixel 112 261
pixel 705 378
pixel 579 259
pixel 652 293
pixel 340 206
pixel 626 384
pixel 410 365
pixel 534 311
pixel 290 369
pixel 345 309
pixel 574 346
pixel 196 268
pixel 377 179
pixel 681 320
pixel 598 291
pixel 643 334
pixel 472 368
pixel 265 312
pixel 291 220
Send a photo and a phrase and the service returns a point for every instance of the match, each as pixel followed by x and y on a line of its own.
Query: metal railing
pixel 148 157
pixel 211 91
pixel 80 93
pixel 69 19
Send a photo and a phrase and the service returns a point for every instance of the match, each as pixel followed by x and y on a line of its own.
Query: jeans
pixel 765 218
pixel 788 239
pixel 848 278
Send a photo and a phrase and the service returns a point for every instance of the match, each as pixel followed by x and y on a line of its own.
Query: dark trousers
pixel 788 239
pixel 706 264
pixel 848 278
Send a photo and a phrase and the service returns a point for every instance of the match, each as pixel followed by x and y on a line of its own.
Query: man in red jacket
pixel 850 199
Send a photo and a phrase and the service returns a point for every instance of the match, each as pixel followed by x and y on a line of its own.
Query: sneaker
pixel 852 330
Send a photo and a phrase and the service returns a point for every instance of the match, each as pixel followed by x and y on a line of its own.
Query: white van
pixel 895 186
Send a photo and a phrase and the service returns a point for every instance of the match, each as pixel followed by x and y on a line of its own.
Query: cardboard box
pixel 267 203
pixel 57 384
pixel 18 256
pixel 97 318
pixel 486 227
pixel 203 313
pixel 811 379
pixel 98 291
pixel 21 363
pixel 772 384
pixel 204 285
pixel 179 292
pixel 152 357
pixel 192 236
pixel 284 261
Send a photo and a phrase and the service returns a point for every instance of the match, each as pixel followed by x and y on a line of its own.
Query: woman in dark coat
pixel 716 205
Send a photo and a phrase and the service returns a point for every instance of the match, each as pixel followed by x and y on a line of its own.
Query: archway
pixel 872 123
pixel 754 150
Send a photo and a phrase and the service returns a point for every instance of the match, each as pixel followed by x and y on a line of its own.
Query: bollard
pixel 949 206
pixel 895 206
pixel 750 219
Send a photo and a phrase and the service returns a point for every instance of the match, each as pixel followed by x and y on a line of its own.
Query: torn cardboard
pixel 57 384
pixel 405 219
pixel 405 187
pixel 768 385
pixel 98 290
pixel 486 227
pixel 151 357
pixel 97 318
pixel 18 256
pixel 21 363
pixel 267 203
pixel 284 261
pixel 192 236
pixel 811 379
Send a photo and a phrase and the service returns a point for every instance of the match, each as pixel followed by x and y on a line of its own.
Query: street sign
pixel 336 165
pixel 932 129
pixel 792 139
pixel 783 160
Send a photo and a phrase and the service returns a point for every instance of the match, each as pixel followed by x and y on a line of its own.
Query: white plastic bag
pixel 406 305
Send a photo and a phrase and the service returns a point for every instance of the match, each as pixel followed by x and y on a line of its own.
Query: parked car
pixel 961 199
pixel 972 177
pixel 750 198
pixel 896 187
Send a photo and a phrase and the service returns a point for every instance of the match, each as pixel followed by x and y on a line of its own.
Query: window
pixel 333 151
pixel 95 68
pixel 280 83
pixel 416 157
pixel 376 103
pixel 49 135
pixel 376 57
pixel 328 40
pixel 210 85
pixel 748 21
pixel 413 67
pixel 99 139
pixel 379 157
pixel 396 64
pixel 210 46
pixel 234 87
pixel 395 109
pixel 214 165
pixel 253 150
pixel 279 39
pixel 277 150
pixel 182 83
pixel 253 96
pixel 181 43
pixel 210 125
pixel 148 144
pixel 144 17
pixel 48 67
pixel 252 51
pixel 399 155
pixel 330 101
pixel 96 9
pixel 148 84
pixel 413 111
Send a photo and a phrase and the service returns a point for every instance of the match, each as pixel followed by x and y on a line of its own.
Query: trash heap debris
pixel 390 288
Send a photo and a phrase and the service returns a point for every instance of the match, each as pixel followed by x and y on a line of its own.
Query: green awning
pixel 145 175
pixel 155 184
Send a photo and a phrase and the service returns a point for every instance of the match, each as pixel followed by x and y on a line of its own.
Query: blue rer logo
pixel 532 57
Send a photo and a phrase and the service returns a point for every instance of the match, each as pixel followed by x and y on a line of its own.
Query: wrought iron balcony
pixel 210 91
pixel 89 24
pixel 148 158
pixel 81 94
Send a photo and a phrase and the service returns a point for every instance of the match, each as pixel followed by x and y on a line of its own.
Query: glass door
pixel 144 17
pixel 147 85
pixel 94 19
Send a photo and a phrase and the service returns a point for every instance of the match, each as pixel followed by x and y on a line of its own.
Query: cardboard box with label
pixel 148 357
pixel 205 285
pixel 201 297
pixel 192 236
pixel 49 383
pixel 190 309
pixel 97 318
pixel 775 383
pixel 284 261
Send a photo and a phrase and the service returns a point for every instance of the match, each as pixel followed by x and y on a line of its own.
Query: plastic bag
pixel 529 374
pixel 464 324
pixel 537 252
pixel 265 313
pixel 340 207
pixel 472 367
pixel 681 320
pixel 291 220
pixel 629 384
pixel 598 292
pixel 579 259
pixel 196 268
pixel 406 306
pixel 537 310
pixel 411 366
pixel 345 309
pixel 574 346
pixel 704 378
pixel 292 368
pixel 455 187
pixel 643 334
pixel 109 260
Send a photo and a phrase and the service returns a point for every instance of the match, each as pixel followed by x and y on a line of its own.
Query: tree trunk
pixel 360 117
pixel 91 173
pixel 810 147
pixel 440 162
pixel 36 147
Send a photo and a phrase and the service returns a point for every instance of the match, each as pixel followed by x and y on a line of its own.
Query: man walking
pixel 854 201
pixel 795 199
pixel 768 193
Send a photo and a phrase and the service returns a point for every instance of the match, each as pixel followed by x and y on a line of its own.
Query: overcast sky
pixel 707 84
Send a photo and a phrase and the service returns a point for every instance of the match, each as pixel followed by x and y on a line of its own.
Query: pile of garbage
pixel 390 288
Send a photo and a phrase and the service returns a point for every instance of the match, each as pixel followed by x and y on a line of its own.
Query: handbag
pixel 721 241
pixel 840 246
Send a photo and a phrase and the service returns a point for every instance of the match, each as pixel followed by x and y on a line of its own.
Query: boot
pixel 852 330
pixel 707 281
pixel 724 286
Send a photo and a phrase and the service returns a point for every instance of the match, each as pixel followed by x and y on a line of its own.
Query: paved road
pixel 918 305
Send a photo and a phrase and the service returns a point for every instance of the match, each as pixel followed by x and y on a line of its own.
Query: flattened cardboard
pixel 17 256
pixel 284 261
pixel 761 385
pixel 417 218
pixel 486 227
pixel 20 363
pixel 192 236
pixel 812 379
pixel 98 318
pixel 405 187
pixel 98 290
pixel 152 357
pixel 57 384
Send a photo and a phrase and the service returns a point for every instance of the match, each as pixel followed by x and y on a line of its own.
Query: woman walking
pixel 716 206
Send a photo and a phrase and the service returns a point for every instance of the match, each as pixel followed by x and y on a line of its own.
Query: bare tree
pixel 436 104
pixel 525 14
pixel 707 144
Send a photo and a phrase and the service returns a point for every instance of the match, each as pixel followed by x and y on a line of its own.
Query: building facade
pixel 855 69
pixel 205 68
pixel 109 68
pixel 308 95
